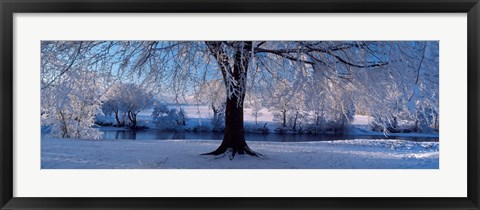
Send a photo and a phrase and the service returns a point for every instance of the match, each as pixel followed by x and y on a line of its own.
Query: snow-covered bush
pixel 168 118
pixel 424 118
pixel 69 105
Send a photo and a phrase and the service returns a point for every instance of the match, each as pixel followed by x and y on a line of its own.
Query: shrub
pixel 168 118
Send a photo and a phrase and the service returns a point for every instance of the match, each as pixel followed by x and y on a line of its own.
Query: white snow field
pixel 185 154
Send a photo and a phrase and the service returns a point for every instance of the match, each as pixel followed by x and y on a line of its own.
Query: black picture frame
pixel 10 7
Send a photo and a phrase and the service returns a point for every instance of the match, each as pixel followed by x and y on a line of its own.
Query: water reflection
pixel 162 135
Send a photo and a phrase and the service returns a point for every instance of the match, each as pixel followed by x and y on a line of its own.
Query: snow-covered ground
pixel 185 154
pixel 147 154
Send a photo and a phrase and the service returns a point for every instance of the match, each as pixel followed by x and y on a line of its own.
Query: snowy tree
pixel 115 103
pixel 137 100
pixel 177 66
pixel 341 108
pixel 69 105
pixel 256 111
pixel 281 101
pixel 287 102
pixel 402 95
pixel 126 100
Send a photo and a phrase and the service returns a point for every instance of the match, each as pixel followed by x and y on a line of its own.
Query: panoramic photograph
pixel 239 104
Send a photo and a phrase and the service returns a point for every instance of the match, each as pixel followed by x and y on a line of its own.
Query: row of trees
pixel 71 105
pixel 393 81
pixel 296 109
pixel 289 106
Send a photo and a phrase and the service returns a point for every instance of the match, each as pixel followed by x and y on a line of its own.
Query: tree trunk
pixel 133 118
pixel 215 113
pixel 183 117
pixel 64 126
pixel 233 138
pixel 120 124
pixel 295 121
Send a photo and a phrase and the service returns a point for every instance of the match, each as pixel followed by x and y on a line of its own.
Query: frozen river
pixel 150 134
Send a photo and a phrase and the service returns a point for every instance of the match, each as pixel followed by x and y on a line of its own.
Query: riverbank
pixel 198 121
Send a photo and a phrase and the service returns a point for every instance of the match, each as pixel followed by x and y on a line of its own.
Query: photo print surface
pixel 239 104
